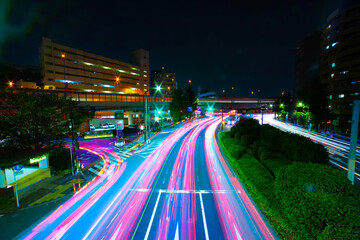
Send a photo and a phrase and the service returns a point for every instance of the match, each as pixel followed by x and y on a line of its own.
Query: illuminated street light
pixel 190 81
pixel 232 88
pixel 11 84
pixel 117 79
pixel 281 105
pixel 158 88
pixel 63 55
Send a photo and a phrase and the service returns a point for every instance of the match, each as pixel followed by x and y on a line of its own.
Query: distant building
pixel 14 73
pixel 307 59
pixel 163 78
pixel 70 69
pixel 340 64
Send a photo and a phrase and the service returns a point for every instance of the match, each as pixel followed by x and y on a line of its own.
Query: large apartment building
pixel 340 64
pixel 307 58
pixel 69 69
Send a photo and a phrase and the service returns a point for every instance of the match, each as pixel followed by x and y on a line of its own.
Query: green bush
pixel 317 200
pixel 233 146
pixel 237 136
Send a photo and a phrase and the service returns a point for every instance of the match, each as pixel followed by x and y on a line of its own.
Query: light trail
pixel 182 179
pixel 335 147
pixel 238 216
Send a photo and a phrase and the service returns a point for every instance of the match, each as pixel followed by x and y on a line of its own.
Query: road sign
pixel 19 172
pixel 18 167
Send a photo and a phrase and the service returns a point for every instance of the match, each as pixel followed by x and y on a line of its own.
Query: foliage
pixel 176 105
pixel 37 119
pixel 233 146
pixel 317 200
pixel 180 103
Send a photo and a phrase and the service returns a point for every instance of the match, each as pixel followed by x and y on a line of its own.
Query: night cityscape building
pixel 163 78
pixel 340 64
pixel 307 58
pixel 69 69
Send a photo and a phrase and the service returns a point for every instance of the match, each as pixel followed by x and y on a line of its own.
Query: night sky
pixel 246 44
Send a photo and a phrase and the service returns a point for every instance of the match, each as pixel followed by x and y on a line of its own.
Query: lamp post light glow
pixel 158 88
pixel 11 84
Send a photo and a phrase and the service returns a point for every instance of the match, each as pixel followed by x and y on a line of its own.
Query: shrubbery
pixel 316 200
pixel 290 178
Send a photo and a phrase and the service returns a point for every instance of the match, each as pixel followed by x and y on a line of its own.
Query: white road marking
pixel 177 237
pixel 152 216
pixel 204 219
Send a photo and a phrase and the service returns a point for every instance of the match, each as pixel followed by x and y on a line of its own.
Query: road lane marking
pixel 204 219
pixel 152 216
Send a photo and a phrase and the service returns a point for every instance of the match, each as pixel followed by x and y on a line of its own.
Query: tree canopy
pixel 180 103
pixel 37 119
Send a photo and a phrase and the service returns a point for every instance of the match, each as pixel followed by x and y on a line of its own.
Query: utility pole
pixel 353 140
pixel 72 146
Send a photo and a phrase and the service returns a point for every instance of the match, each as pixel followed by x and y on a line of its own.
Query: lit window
pixel 145 85
pixel 334 44
pixel 333 64
pixel 328 26
pixel 332 75
pixel 145 71
pixel 341 95
pixel 89 64
pixel 145 75
pixel 329 106
pixel 330 97
pixel 105 67
pixel 145 89
pixel 327 47
pixel 344 72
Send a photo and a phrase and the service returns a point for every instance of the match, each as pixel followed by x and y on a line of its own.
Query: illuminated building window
pixel 145 75
pixel 341 95
pixel 145 85
pixel 334 44
pixel 344 72
pixel 330 97
pixel 332 75
pixel 333 64
pixel 327 47
pixel 145 71
pixel 328 26
pixel 145 89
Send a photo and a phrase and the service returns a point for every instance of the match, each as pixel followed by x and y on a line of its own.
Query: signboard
pixel 18 167
pixel 19 172
pixel 119 125
pixel 119 114
pixel 199 109
pixel 189 109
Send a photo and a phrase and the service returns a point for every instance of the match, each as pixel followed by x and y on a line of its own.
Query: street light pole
pixel 146 116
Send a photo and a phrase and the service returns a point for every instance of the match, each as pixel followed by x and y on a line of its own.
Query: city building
pixel 307 59
pixel 340 64
pixel 163 78
pixel 69 69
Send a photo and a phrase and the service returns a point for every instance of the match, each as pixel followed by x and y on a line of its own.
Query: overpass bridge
pixel 136 103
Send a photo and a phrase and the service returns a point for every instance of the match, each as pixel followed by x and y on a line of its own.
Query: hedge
pixel 318 201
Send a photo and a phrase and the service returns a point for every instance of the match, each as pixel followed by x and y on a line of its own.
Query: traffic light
pixel 181 111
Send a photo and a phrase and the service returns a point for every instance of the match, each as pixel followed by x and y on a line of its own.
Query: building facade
pixel 340 64
pixel 163 78
pixel 307 59
pixel 69 69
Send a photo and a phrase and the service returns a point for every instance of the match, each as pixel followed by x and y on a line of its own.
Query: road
pixel 338 149
pixel 179 186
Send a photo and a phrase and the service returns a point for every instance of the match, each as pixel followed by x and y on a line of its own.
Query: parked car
pixel 133 126
pixel 104 126
pixel 111 125
pixel 92 128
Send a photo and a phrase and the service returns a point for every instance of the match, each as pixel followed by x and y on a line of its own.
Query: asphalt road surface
pixel 178 186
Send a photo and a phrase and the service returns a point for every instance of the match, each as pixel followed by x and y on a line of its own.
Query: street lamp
pixel 158 88
pixel 11 84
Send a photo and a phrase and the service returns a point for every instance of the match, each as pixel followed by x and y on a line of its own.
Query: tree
pixel 189 99
pixel 283 105
pixel 177 105
pixel 37 119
